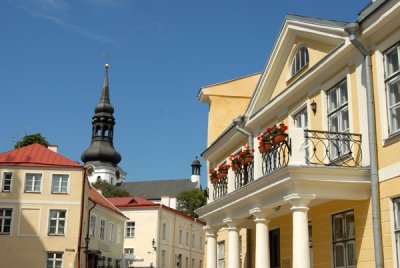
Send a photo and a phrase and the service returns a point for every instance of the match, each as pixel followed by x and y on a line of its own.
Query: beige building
pixel 105 232
pixel 45 203
pixel 328 195
pixel 163 237
pixel 41 200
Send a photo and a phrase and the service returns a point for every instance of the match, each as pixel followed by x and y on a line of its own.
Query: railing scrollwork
pixel 220 188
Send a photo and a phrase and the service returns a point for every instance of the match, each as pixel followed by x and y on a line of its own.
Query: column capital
pixel 231 224
pixel 299 201
pixel 210 231
pixel 260 216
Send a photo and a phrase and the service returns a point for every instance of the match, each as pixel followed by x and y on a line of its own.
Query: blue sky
pixel 162 52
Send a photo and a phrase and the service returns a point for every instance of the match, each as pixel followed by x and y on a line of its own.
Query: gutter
pixel 87 233
pixel 237 122
pixel 353 29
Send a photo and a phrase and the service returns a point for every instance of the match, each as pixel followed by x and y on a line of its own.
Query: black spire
pixel 101 150
pixel 196 167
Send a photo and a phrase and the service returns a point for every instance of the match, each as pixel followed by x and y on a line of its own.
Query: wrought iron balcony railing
pixel 277 158
pixel 333 148
pixel 244 175
pixel 220 188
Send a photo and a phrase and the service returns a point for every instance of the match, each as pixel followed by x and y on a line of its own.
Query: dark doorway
pixel 274 248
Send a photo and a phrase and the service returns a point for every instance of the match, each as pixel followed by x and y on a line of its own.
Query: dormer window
pixel 300 59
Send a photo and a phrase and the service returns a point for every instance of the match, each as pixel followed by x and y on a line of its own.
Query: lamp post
pixel 153 243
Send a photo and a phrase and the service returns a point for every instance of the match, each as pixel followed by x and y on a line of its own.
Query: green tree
pixel 31 139
pixel 109 190
pixel 190 200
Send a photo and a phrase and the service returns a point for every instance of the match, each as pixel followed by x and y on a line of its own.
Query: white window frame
pixel 221 254
pixel 3 184
pixel 32 188
pixel 338 113
pixel 119 234
pixel 58 220
pixel 3 218
pixel 193 240
pixel 201 242
pixel 344 241
pixel 298 57
pixel 163 258
pixel 391 78
pixel 102 229
pixel 164 231
pixel 52 256
pixel 180 236
pixel 93 219
pixel 396 228
pixel 59 186
pixel 129 250
pixel 187 238
pixel 132 229
pixel 111 232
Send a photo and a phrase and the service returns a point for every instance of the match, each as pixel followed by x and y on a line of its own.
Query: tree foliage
pixel 190 200
pixel 31 139
pixel 109 190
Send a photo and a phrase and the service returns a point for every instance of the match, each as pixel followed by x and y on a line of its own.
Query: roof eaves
pixel 369 9
pixel 317 21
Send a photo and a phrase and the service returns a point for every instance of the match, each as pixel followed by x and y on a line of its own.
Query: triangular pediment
pixel 320 37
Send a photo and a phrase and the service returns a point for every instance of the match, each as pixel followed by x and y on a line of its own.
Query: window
pixel 392 81
pixel 59 183
pixel 164 231
pixel 111 235
pixel 301 119
pixel 344 240
pixel 33 182
pixel 396 203
pixel 201 264
pixel 180 236
pixel 187 262
pixel 102 228
pixel 130 229
pixel 7 181
pixel 54 260
pixel 192 262
pixel 163 258
pixel 187 238
pixel 338 120
pixel 129 251
pixel 57 221
pixel 221 254
pixel 193 241
pixel 92 225
pixel 300 59
pixel 5 220
pixel 201 242
pixel 119 234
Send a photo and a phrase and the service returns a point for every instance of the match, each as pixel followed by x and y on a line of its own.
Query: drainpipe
pixel 237 122
pixel 353 30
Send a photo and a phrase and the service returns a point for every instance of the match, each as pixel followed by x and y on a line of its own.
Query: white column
pixel 233 244
pixel 301 251
pixel 262 239
pixel 211 235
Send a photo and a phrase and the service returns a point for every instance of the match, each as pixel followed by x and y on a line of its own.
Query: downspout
pixel 237 122
pixel 81 221
pixel 353 30
pixel 87 234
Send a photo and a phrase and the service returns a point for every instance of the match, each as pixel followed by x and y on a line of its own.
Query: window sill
pixel 31 192
pixel 57 235
pixel 392 138
pixel 59 193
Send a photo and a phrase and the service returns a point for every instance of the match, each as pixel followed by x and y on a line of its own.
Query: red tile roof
pixel 130 201
pixel 36 155
pixel 99 199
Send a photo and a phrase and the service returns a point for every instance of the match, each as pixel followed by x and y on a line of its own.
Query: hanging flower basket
pixel 265 147
pixel 280 138
pixel 247 159
pixel 222 174
pixel 236 166
pixel 214 180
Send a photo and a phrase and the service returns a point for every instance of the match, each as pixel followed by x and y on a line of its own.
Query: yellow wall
pixel 28 243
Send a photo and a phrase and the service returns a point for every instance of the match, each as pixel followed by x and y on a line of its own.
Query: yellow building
pixel 41 200
pixel 328 194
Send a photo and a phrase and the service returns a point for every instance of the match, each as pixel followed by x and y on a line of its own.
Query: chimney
pixel 53 148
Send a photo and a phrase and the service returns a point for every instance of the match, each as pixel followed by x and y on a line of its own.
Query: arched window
pixel 105 131
pixel 300 59
pixel 97 130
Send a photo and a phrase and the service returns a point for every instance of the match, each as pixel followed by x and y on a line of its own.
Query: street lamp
pixel 153 243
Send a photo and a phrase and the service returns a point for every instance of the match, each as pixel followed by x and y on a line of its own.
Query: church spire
pixel 101 149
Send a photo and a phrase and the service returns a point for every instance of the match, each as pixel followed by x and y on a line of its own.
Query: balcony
pixel 302 148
